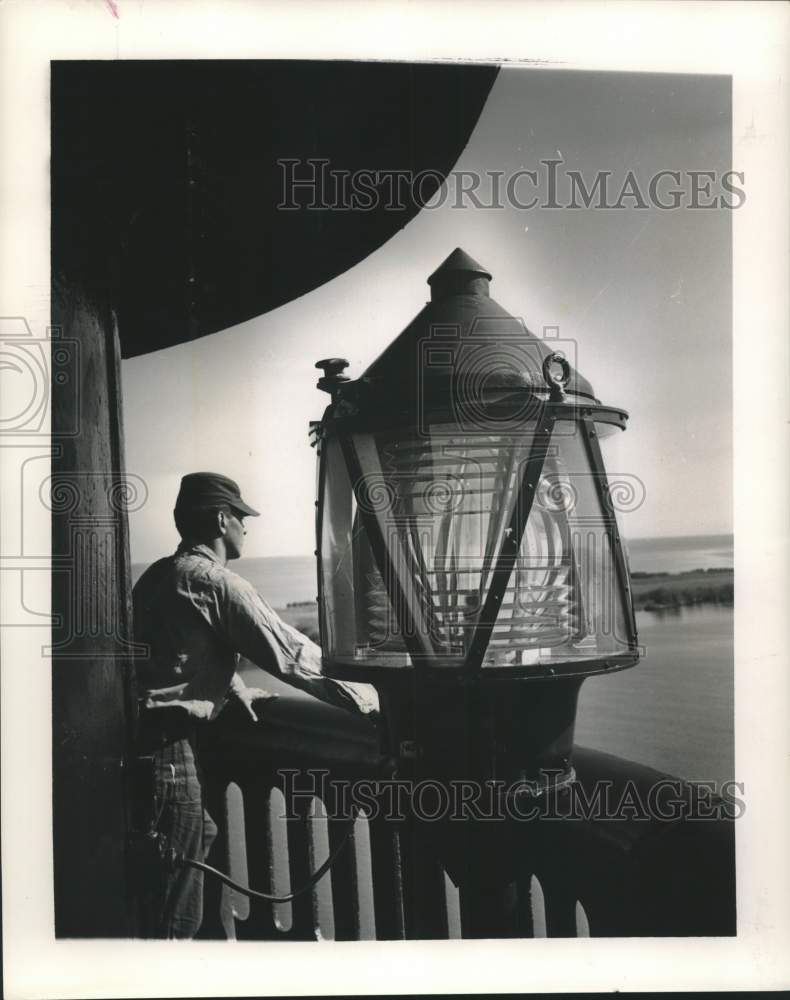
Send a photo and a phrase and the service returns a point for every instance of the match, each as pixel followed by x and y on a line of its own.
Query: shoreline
pixel 651 591
pixel 660 591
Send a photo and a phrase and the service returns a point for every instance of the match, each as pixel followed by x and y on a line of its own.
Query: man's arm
pixel 258 633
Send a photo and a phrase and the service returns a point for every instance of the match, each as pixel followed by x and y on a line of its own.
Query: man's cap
pixel 210 489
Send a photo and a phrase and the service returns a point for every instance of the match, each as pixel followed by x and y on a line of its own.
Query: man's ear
pixel 222 521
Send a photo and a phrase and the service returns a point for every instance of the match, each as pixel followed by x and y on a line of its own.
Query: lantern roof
pixel 459 262
pixel 463 334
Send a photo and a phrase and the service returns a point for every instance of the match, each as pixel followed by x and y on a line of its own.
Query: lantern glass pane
pixel 564 602
pixel 336 569
pixel 443 500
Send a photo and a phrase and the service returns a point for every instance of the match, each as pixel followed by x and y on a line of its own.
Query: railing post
pixel 425 905
pixel 218 921
pixel 260 924
pixel 489 911
pixel 524 922
pixel 345 889
pixel 386 872
pixel 560 903
pixel 301 867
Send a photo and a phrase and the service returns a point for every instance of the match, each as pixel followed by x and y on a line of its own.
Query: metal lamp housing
pixel 465 524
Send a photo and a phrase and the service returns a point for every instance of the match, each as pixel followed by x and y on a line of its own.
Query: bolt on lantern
pixel 466 529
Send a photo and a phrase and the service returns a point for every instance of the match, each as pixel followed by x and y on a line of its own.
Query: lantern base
pixel 445 676
pixel 513 734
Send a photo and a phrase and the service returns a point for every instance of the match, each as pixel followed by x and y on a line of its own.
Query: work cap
pixel 209 489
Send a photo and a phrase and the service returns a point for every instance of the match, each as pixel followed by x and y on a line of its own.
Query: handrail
pixel 632 875
pixel 294 725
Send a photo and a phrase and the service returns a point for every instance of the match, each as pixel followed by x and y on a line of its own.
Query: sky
pixel 641 296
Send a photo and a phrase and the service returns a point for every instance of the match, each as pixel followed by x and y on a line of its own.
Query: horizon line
pixel 636 538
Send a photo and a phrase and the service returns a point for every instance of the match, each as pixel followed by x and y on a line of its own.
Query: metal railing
pixel 627 876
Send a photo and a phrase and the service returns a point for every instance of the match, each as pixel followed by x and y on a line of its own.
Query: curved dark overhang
pixel 166 182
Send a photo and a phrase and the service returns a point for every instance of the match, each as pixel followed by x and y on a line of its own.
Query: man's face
pixel 234 534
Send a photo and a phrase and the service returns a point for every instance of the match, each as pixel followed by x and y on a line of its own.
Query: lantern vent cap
pixel 459 261
pixel 459 274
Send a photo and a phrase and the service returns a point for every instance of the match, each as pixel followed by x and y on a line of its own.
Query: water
pixel 281 579
pixel 677 555
pixel 674 711
pixel 284 580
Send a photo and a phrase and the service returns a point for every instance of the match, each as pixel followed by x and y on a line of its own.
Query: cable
pixel 317 875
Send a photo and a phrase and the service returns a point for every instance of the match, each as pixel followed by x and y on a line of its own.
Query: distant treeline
pixel 651 592
pixel 666 597
pixel 641 575
pixel 676 590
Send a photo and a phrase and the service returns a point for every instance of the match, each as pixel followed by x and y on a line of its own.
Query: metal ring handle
pixel 556 383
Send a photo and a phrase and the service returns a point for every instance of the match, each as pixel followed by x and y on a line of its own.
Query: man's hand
pixel 195 709
pixel 248 695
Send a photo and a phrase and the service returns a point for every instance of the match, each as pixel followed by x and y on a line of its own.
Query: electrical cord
pixel 178 859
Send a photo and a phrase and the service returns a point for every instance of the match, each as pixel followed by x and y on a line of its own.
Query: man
pixel 196 618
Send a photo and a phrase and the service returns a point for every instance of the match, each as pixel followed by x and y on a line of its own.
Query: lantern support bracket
pixel 593 448
pixel 409 619
pixel 511 545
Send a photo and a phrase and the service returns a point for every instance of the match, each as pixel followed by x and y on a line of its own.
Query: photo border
pixel 748 41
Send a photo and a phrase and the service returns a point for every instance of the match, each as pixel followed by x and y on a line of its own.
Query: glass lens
pixel 443 501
